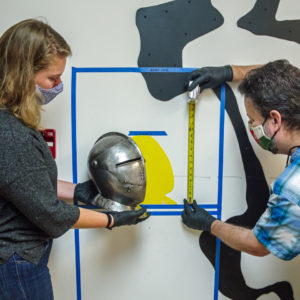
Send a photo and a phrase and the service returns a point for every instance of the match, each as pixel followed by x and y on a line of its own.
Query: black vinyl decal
pixel 231 280
pixel 164 30
pixel 261 21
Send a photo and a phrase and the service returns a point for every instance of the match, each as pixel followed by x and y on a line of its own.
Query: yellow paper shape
pixel 159 173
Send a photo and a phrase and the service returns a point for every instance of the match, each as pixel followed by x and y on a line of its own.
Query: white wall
pixel 160 258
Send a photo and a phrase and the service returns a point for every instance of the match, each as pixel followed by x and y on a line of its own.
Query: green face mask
pixel 260 137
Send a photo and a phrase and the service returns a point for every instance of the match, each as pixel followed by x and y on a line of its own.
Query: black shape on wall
pixel 164 30
pixel 261 20
pixel 231 280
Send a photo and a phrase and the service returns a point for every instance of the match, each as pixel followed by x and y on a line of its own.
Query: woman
pixel 32 60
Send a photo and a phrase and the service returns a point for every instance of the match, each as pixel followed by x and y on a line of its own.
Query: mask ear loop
pixel 274 134
pixel 289 154
pixel 265 120
pixel 263 123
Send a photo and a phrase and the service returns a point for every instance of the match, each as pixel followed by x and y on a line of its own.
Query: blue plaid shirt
pixel 278 229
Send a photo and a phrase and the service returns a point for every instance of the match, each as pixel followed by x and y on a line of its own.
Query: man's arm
pixel 239 72
pixel 238 238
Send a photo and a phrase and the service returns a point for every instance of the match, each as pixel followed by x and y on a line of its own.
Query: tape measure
pixel 191 135
pixel 191 142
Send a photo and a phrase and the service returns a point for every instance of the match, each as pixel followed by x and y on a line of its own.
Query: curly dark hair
pixel 275 86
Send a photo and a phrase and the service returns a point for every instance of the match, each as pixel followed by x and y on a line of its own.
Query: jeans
pixel 23 280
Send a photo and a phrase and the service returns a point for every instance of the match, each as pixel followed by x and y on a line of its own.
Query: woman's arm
pixel 65 190
pixel 92 219
pixel 87 218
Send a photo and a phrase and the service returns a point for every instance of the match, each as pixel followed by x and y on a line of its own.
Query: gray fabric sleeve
pixel 39 204
pixel 28 179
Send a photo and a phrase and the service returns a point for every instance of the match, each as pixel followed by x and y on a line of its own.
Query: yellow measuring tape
pixel 191 134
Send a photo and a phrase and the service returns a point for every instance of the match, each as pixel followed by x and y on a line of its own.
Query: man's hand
pixel 209 77
pixel 196 217
pixel 128 217
pixel 85 192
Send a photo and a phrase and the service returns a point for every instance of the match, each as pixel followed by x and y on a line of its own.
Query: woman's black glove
pixel 209 77
pixel 85 192
pixel 196 217
pixel 127 217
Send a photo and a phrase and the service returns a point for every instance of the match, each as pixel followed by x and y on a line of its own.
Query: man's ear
pixel 276 118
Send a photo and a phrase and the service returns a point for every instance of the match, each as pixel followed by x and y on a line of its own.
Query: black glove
pixel 85 192
pixel 127 217
pixel 196 217
pixel 209 77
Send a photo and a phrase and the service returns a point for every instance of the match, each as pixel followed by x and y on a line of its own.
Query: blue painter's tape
pixel 157 206
pixel 171 213
pixel 221 148
pixel 74 170
pixel 176 206
pixel 162 213
pixel 134 70
pixel 77 259
pixel 220 186
pixel 166 209
pixel 151 133
pixel 157 212
pixel 73 124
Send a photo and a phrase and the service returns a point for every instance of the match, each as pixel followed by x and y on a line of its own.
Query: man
pixel 272 102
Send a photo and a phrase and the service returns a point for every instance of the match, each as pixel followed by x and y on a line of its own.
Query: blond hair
pixel 25 49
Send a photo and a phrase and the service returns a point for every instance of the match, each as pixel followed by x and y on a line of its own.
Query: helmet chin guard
pixel 117 167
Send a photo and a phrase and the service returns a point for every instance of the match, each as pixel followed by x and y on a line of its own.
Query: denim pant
pixel 22 280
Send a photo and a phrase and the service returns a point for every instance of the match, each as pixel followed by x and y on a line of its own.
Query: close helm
pixel 117 168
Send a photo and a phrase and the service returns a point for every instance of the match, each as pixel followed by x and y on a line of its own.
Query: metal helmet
pixel 117 168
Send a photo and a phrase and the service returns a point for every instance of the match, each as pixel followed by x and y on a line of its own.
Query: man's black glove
pixel 127 217
pixel 196 217
pixel 85 192
pixel 209 77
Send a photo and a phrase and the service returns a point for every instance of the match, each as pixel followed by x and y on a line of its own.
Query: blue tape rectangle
pixel 133 70
pixel 150 133
pixel 220 186
pixel 218 207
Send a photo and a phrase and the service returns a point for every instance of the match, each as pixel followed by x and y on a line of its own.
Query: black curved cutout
pixel 261 21
pixel 164 30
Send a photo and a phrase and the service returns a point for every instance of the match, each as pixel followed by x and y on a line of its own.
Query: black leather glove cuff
pixel 228 73
pixel 129 217
pixel 109 217
pixel 207 225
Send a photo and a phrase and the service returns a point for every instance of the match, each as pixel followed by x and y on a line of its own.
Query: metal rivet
pixel 94 163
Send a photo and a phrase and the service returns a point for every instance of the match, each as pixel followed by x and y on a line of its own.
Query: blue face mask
pixel 47 95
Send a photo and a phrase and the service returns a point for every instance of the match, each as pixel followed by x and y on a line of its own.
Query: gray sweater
pixel 30 212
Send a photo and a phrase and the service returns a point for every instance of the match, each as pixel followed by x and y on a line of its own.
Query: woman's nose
pixel 58 81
